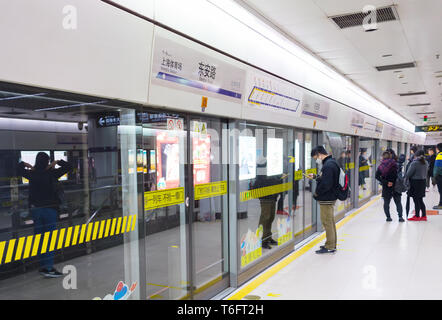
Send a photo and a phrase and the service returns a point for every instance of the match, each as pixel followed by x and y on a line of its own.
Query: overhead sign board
pixel 433 128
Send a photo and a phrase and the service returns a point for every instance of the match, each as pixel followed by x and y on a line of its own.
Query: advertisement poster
pixel 153 166
pixel 274 156
pixel 201 159
pixel 168 161
pixel 184 68
pixel 247 158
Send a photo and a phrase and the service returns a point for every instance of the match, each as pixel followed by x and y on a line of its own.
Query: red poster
pixel 201 160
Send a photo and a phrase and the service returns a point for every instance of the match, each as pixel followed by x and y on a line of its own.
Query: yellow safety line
pixel 21 243
pixel 61 238
pixel 295 255
pixel 100 235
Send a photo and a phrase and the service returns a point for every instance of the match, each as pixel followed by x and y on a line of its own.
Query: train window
pixel 69 193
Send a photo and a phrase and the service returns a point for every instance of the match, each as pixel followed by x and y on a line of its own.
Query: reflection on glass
pixel 366 167
pixel 77 209
pixel 264 211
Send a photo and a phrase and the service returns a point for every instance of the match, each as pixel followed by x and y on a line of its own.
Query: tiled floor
pixel 375 260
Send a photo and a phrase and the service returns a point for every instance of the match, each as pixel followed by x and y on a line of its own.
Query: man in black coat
pixel 326 194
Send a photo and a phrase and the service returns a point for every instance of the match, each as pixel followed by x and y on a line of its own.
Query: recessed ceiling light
pixel 387 55
pixel 412 93
pixel 404 82
pixel 419 104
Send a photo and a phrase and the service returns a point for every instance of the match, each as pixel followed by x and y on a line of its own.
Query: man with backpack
pixel 327 191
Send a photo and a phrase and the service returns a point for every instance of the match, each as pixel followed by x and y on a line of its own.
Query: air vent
pixel 412 93
pixel 419 104
pixel 396 66
pixel 356 19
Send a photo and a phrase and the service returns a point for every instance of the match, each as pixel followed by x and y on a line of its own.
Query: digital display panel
pixel 61 155
pixel 29 157
pixel 247 158
pixel 274 156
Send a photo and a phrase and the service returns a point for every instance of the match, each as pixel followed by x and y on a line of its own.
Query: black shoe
pixel 389 219
pixel 273 242
pixel 401 219
pixel 325 250
pixel 266 245
pixel 53 273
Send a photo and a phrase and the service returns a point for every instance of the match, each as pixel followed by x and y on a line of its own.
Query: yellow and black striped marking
pixel 26 247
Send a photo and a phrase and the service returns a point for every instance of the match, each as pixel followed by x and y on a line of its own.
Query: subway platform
pixel 375 260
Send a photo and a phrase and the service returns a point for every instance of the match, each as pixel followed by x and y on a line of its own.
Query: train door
pixel 310 205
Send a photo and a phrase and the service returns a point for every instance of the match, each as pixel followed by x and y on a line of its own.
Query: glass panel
pixel 366 168
pixel 163 158
pixel 265 220
pixel 382 146
pixel 210 218
pixel 350 169
pixel 298 188
pixel 73 204
pixel 310 220
pixel 335 145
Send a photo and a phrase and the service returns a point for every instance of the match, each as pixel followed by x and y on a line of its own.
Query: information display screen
pixel 61 155
pixel 274 156
pixel 29 157
pixel 247 158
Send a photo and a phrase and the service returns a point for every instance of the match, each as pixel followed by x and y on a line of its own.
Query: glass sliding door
pixel 310 205
pixel 265 215
pixel 341 149
pixel 163 161
pixel 366 168
pixel 298 187
pixel 209 234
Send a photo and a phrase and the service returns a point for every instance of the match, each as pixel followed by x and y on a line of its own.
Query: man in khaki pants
pixel 326 194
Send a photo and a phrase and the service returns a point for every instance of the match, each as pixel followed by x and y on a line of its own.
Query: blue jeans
pixel 45 220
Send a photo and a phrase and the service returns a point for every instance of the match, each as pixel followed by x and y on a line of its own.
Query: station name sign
pixel 433 128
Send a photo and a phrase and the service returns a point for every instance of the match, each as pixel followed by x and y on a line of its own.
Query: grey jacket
pixel 417 170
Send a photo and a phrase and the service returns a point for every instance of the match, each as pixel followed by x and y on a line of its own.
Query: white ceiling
pixel 416 36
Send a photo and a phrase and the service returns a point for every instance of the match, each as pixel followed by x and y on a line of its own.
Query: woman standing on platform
pixel 417 175
pixel 387 174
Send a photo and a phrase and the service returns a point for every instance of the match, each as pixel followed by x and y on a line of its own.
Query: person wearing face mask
pixel 326 194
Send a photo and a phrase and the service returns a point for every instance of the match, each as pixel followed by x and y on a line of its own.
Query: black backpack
pixel 343 185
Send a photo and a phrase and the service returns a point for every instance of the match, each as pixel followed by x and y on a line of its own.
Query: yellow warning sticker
pixel 364 168
pixel 250 257
pixel 298 175
pixel 264 192
pixel 285 238
pixel 312 171
pixel 163 198
pixel 209 190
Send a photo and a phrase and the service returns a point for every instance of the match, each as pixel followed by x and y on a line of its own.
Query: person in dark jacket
pixel 417 175
pixel 268 204
pixel 43 201
pixel 363 163
pixel 431 159
pixel 413 150
pixel 386 174
pixel 326 194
